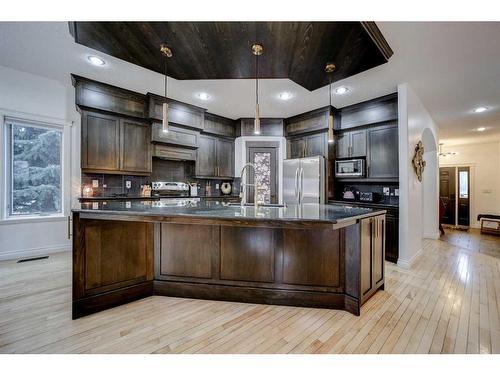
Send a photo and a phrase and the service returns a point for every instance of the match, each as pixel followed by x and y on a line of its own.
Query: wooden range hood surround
pixel 219 50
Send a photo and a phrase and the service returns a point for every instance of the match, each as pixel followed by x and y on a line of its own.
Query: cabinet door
pixel 383 152
pixel 358 143
pixel 343 143
pixel 225 156
pixel 100 142
pixel 378 249
pixel 175 136
pixel 205 157
pixel 392 237
pixel 135 155
pixel 316 145
pixel 297 148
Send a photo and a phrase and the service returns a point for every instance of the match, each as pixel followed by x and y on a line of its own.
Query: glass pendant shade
pixel 330 128
pixel 256 124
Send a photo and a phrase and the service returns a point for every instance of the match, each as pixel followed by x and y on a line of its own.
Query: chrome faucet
pixel 244 185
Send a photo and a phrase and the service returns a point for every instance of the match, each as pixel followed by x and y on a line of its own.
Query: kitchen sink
pixel 260 205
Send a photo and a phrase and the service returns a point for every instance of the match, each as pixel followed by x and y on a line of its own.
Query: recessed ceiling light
pixel 480 109
pixel 481 129
pixel 203 96
pixel 95 60
pixel 285 96
pixel 341 90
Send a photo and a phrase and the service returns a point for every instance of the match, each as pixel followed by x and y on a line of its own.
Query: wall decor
pixel 418 160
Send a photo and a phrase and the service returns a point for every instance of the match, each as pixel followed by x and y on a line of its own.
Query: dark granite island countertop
pixel 320 213
pixel 329 256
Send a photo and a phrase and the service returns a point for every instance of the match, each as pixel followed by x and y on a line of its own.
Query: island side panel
pixel 113 263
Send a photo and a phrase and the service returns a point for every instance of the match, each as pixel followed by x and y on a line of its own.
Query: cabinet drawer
pixel 175 136
pixel 174 153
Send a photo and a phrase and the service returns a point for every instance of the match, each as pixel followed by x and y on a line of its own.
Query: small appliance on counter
pixel 226 188
pixel 349 193
pixel 369 196
pixel 169 189
pixel 145 190
pixel 193 189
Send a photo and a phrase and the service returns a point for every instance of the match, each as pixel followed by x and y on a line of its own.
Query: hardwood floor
pixel 472 239
pixel 448 303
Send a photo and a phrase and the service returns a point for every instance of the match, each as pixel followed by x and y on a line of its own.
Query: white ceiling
pixel 454 67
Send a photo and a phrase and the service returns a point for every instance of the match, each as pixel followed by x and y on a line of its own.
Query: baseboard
pixel 28 253
pixel 407 264
pixel 433 236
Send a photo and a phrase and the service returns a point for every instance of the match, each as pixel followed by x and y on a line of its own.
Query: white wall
pixel 240 156
pixel 484 161
pixel 33 97
pixel 413 119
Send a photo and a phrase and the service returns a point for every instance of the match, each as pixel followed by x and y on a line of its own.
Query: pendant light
pixel 257 50
pixel 167 53
pixel 329 68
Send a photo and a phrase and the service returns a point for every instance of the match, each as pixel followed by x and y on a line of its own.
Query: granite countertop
pixel 328 213
pixel 367 204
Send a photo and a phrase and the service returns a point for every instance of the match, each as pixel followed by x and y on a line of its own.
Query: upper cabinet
pixel 268 127
pixel 351 144
pixel 97 95
pixel 215 157
pixel 178 113
pixel 382 160
pixel 113 144
pixel 373 111
pixel 176 136
pixel 307 122
pixel 308 145
pixel 219 125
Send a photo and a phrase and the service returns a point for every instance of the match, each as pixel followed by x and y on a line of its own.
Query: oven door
pixel 350 168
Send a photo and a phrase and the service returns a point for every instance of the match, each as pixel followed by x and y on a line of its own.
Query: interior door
pixel 447 195
pixel 266 172
pixel 463 209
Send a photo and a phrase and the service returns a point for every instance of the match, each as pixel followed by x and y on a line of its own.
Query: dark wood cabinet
pixel 100 142
pixel 135 148
pixel 307 122
pixel 268 127
pixel 392 235
pixel 372 255
pixel 215 157
pixel 308 145
pixel 373 111
pixel 383 156
pixel 178 113
pixel 173 153
pixel 175 136
pixel 219 125
pixel 111 144
pixel 351 144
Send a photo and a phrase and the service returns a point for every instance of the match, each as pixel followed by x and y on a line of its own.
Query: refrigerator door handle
pixel 296 183
pixel 301 190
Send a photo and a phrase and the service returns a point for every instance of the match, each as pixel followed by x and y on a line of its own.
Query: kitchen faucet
pixel 244 185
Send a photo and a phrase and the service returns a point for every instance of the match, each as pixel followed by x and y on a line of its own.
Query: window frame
pixel 6 118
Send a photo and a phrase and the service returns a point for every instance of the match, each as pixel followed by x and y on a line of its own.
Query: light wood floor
pixel 448 303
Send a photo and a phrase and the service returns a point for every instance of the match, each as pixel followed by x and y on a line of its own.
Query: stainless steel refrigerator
pixel 304 180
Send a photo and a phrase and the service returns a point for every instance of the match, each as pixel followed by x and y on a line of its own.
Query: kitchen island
pixel 328 256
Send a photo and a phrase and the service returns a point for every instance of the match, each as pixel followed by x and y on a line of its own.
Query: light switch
pixel 95 183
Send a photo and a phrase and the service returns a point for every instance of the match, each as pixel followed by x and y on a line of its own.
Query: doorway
pixel 264 156
pixel 454 196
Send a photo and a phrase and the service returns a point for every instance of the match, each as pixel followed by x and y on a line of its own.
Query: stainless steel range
pixel 172 194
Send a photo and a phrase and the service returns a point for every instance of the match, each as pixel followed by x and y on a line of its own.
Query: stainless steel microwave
pixel 350 168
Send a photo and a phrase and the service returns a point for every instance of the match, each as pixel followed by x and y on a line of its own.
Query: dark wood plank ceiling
pixel 221 50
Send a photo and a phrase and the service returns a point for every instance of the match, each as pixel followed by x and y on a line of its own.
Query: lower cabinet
pixel 112 263
pixel 372 255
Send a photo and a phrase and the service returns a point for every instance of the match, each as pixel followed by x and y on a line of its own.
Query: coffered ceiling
pixel 453 67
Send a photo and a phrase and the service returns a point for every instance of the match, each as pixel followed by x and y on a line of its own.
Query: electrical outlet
pixel 386 190
pixel 128 204
pixel 128 184
pixel 217 186
pixel 396 192
pixel 95 183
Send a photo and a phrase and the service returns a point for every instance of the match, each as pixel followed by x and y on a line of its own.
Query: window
pixel 463 183
pixel 34 168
